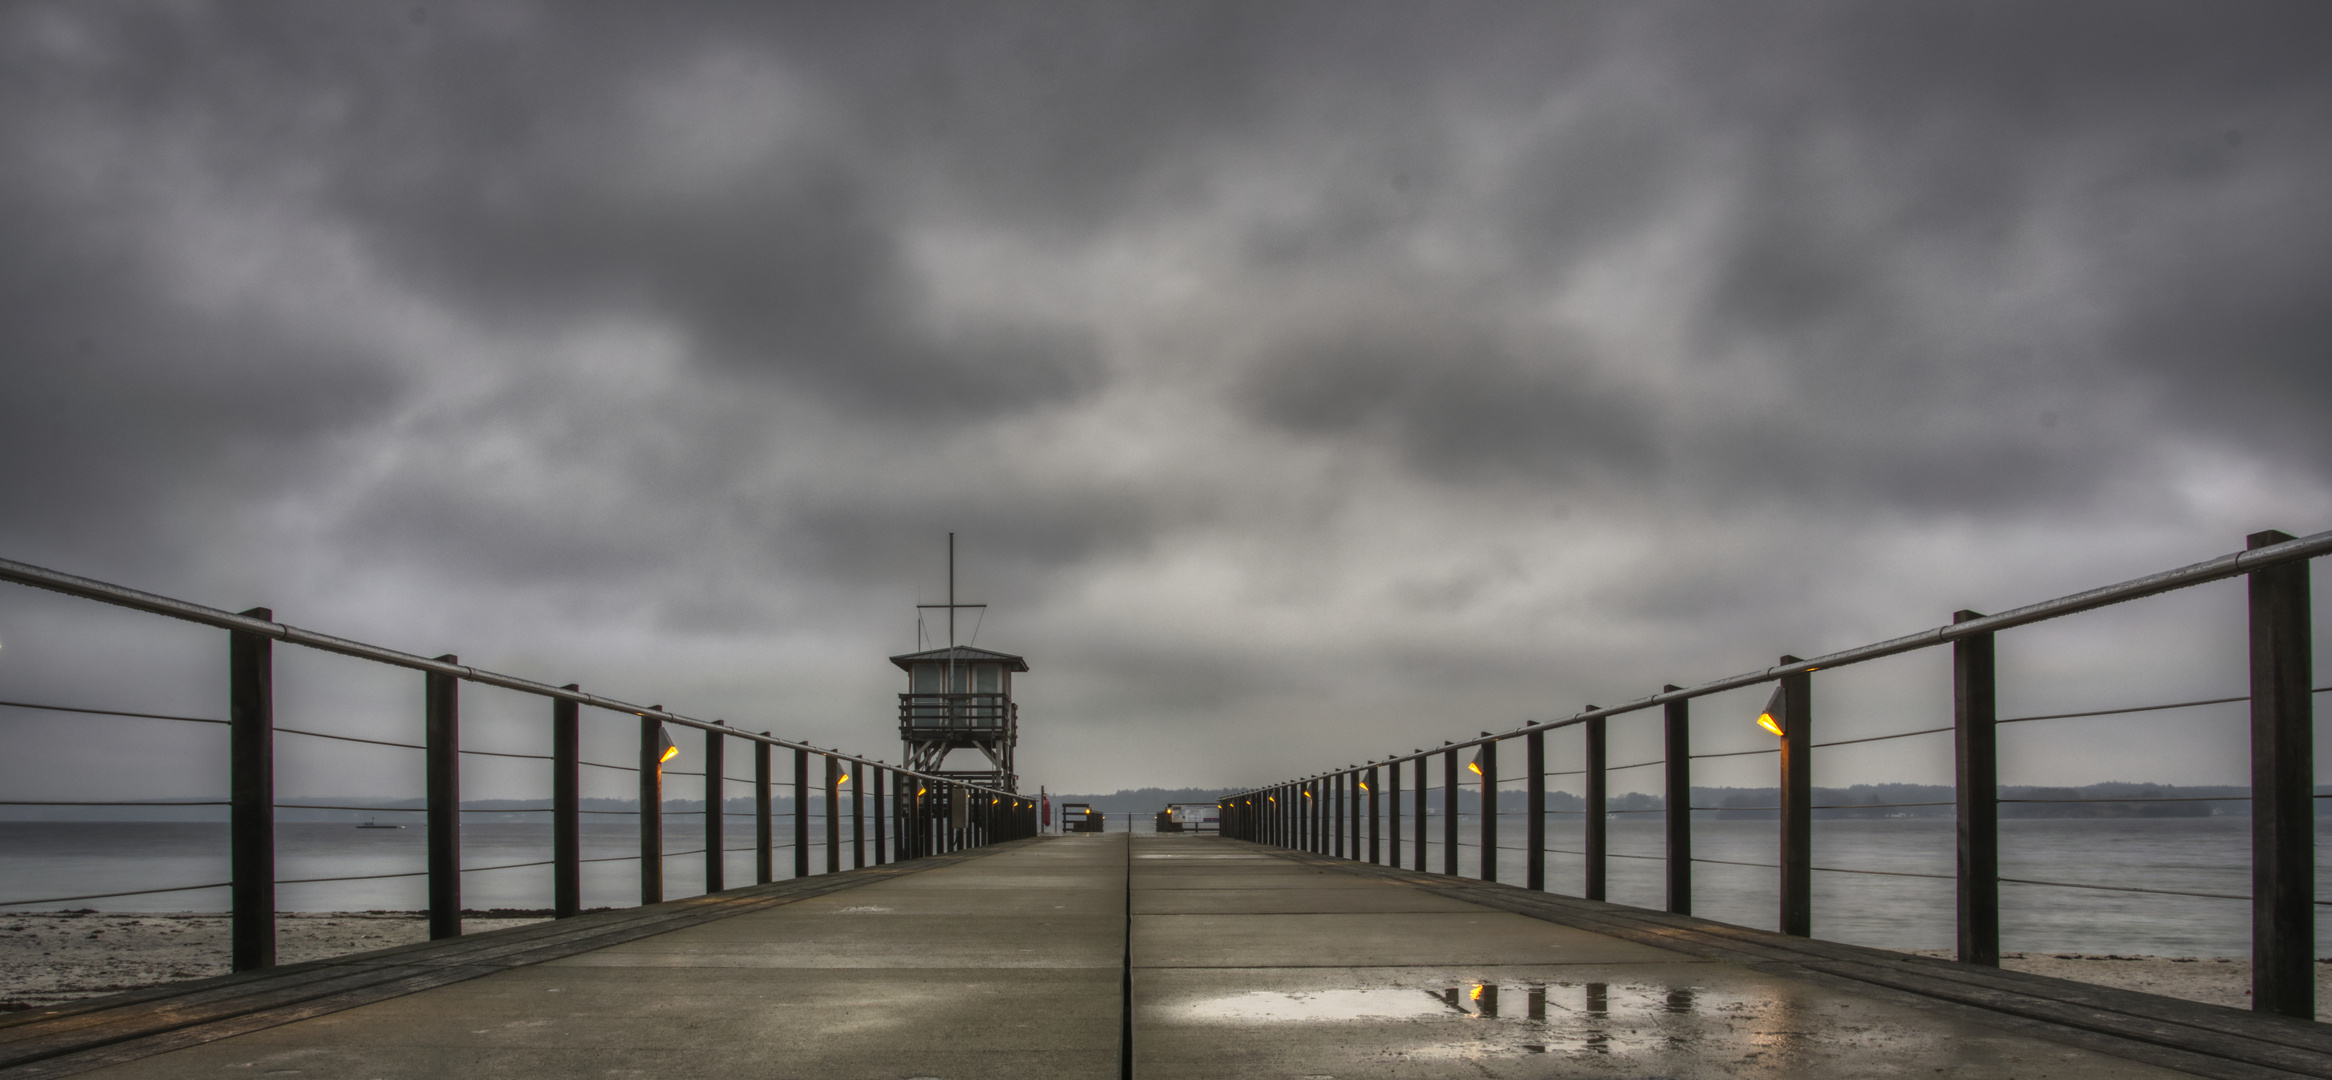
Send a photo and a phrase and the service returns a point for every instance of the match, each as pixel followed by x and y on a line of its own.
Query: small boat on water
pixel 368 823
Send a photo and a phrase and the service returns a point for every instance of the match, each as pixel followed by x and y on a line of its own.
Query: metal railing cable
pixel 2125 888
pixel 483 869
pixel 111 895
pixel 112 712
pixel 2135 799
pixel 349 738
pixel 2131 709
pixel 101 802
pixel 1882 738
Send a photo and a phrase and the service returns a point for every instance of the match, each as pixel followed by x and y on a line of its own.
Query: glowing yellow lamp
pixel 1770 719
pixel 1476 764
pixel 671 749
pixel 921 792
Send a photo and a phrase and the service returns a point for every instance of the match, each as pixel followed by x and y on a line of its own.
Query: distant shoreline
pixel 2112 799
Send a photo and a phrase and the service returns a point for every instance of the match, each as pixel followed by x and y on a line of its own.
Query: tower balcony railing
pixel 956 712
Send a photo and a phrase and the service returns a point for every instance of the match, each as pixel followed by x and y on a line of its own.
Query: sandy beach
pixel 2211 980
pixel 56 957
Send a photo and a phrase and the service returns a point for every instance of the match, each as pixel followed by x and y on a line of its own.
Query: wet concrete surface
pixel 1354 982
pixel 1004 966
pixel 1243 964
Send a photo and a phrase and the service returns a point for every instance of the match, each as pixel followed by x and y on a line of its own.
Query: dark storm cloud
pixel 2166 152
pixel 1252 348
pixel 1896 182
pixel 1461 404
pixel 132 425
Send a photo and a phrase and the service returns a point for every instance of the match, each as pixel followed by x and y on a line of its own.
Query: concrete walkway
pixel 1005 965
pixel 1249 964
pixel 1243 961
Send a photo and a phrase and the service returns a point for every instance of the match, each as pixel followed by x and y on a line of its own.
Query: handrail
pixel 1344 820
pixel 2231 565
pixel 40 577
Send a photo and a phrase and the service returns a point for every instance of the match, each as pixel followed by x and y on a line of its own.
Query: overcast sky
pixel 1304 382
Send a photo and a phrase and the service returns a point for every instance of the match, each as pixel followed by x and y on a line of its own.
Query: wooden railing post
pixel 1449 812
pixel 1336 785
pixel 833 814
pixel 251 794
pixel 441 742
pixel 1797 801
pixel 882 855
pixel 1423 798
pixel 1976 775
pixel 1489 832
pixel 1596 837
pixel 1677 727
pixel 764 836
pixel 716 866
pixel 858 817
pixel 909 799
pixel 1326 823
pixel 566 806
pixel 1374 852
pixel 651 809
pixel 2283 865
pixel 1534 757
pixel 801 813
pixel 1323 816
pixel 1393 814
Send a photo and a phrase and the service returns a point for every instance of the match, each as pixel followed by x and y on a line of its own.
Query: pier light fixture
pixel 1476 764
pixel 670 749
pixel 1771 718
pixel 842 776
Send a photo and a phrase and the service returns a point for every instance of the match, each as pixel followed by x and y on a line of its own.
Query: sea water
pixel 2187 855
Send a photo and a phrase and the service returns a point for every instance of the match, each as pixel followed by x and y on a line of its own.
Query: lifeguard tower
pixel 960 698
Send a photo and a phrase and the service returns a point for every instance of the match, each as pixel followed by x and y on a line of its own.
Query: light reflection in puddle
pixel 1238 858
pixel 1321 1006
pixel 1518 1017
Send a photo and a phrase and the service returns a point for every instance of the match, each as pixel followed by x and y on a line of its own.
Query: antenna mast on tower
pixel 959 698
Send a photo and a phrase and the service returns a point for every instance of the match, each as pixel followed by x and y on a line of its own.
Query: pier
pixel 1151 956
pixel 1347 923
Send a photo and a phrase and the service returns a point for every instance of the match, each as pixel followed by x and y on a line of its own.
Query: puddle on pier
pixel 1528 1017
pixel 1213 858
